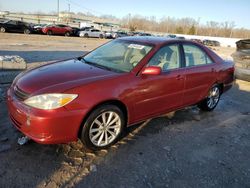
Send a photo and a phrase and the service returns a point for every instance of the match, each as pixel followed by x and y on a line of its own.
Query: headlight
pixel 50 101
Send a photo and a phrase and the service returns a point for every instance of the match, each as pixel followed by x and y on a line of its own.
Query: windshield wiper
pixel 99 66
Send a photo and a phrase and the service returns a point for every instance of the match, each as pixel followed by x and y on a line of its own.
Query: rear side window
pixel 194 56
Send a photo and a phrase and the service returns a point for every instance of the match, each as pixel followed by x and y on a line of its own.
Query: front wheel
pixel 2 30
pixel 212 99
pixel 103 127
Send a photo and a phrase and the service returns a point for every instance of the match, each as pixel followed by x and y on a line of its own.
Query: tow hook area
pixel 23 140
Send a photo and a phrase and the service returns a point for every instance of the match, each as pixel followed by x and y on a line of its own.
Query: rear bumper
pixel 44 126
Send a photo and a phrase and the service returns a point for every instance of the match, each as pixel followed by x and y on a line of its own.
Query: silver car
pixel 91 33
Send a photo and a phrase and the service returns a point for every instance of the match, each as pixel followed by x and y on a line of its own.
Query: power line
pixel 83 7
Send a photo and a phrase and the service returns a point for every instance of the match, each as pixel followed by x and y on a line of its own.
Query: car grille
pixel 20 94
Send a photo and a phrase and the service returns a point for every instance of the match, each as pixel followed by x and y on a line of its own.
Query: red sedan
pixel 59 29
pixel 126 81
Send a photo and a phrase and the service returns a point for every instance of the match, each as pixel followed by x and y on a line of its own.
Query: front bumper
pixel 44 126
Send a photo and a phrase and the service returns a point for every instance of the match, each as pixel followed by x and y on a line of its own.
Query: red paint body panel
pixel 144 96
pixel 56 30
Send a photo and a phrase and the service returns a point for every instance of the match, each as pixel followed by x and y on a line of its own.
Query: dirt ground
pixel 188 148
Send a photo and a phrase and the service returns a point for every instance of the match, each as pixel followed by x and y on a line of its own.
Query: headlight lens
pixel 50 101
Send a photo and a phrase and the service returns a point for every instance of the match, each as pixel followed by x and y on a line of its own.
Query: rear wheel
pixel 49 32
pixel 101 36
pixel 86 35
pixel 212 99
pixel 2 30
pixel 26 31
pixel 103 127
pixel 67 34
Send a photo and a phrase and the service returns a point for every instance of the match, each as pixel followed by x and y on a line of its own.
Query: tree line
pixel 184 26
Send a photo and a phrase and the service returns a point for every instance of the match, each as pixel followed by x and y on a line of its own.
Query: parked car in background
pixel 143 34
pixel 180 37
pixel 119 34
pixel 15 26
pixel 124 82
pixel 197 40
pixel 84 29
pixel 242 60
pixel 96 33
pixel 171 36
pixel 108 34
pixel 211 43
pixel 75 31
pixel 37 28
pixel 59 29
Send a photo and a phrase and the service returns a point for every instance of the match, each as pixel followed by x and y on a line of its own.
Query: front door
pixel 157 94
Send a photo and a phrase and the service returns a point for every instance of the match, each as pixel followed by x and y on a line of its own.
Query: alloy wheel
pixel 2 29
pixel 105 128
pixel 213 97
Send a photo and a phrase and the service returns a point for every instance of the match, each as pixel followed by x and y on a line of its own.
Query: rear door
pixel 95 33
pixel 156 94
pixel 57 29
pixel 20 26
pixel 200 73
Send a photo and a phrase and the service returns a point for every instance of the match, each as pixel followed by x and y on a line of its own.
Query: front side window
pixel 167 58
pixel 194 56
pixel 118 55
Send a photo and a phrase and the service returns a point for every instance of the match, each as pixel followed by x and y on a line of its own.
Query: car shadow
pixel 43 56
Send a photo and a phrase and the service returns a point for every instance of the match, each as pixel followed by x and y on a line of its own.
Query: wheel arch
pixel 114 102
pixel 221 86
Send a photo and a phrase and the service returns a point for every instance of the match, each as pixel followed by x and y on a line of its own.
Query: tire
pixel 49 32
pixel 26 31
pixel 101 36
pixel 97 137
pixel 2 30
pixel 212 99
pixel 67 34
pixel 86 35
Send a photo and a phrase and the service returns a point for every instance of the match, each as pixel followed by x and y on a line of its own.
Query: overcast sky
pixel 214 10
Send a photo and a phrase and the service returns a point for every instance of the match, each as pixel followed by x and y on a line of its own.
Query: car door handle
pixel 179 77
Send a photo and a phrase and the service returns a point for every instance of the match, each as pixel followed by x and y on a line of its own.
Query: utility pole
pixel 57 10
pixel 69 8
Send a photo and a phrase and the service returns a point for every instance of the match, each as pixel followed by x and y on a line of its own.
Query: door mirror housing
pixel 151 70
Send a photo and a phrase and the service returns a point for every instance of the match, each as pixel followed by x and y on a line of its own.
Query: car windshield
pixel 118 55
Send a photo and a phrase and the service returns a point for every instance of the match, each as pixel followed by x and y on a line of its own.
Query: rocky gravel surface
pixel 188 148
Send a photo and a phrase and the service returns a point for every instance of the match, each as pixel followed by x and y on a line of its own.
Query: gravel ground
pixel 188 148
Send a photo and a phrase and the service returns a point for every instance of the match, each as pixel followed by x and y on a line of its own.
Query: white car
pixel 91 33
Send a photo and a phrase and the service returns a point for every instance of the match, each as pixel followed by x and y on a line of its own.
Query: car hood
pixel 59 77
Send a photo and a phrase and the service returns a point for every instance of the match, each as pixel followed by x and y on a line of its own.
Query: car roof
pixel 151 40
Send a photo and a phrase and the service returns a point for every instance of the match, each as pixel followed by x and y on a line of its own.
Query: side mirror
pixel 151 70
